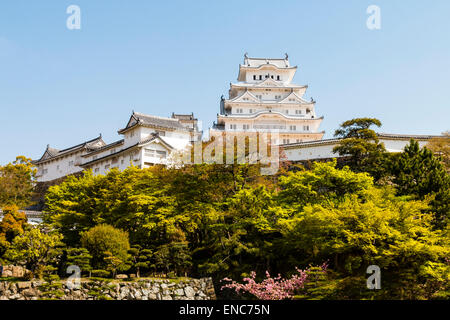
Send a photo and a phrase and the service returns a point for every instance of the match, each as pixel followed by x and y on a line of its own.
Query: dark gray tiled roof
pixel 51 153
pixel 407 136
pixel 105 147
pixel 380 135
pixel 183 116
pixel 160 122
pixel 153 137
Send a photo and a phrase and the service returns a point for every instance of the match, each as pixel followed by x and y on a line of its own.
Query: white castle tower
pixel 265 99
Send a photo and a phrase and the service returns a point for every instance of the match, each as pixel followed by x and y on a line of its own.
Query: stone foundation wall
pixel 140 289
pixel 12 271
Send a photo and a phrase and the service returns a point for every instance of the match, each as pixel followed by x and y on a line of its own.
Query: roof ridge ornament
pixel 246 59
pixel 286 57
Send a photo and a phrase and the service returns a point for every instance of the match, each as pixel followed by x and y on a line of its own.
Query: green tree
pixel 242 238
pixel 418 172
pixel 140 259
pixel 133 200
pixel 107 245
pixel 35 250
pixel 17 182
pixel 441 147
pixel 323 183
pixel 114 263
pixel 180 257
pixel 382 230
pixel 79 257
pixel 362 146
pixel 162 259
pixel 13 223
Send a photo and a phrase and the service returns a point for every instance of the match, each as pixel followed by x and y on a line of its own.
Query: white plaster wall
pixel 285 75
pixel 124 160
pixel 60 167
pixel 103 153
pixel 132 137
pixel 153 160
pixel 306 153
pixel 326 151
pixel 399 145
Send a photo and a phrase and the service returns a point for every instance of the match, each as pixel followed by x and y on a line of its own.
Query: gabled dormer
pixel 49 153
pixel 246 96
pixel 293 98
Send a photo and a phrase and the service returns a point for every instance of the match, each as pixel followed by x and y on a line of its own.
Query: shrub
pixel 106 243
pixel 35 249
pixel 100 273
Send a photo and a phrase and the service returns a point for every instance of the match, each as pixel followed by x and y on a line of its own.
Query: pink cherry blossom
pixel 270 288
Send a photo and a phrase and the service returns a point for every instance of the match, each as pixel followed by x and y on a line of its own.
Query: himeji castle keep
pixel 263 98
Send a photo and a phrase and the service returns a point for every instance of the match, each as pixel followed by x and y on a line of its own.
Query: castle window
pixel 260 77
pixel 298 111
pixel 306 128
pixel 107 167
pixel 149 152
pixel 161 154
pixel 293 128
pixel 254 77
pixel 97 170
pixel 246 126
pixel 271 76
pixel 232 126
pixel 278 77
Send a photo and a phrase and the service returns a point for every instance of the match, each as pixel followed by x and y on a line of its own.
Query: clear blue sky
pixel 62 87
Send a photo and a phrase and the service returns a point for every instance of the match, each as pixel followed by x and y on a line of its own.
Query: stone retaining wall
pixel 140 289
pixel 12 271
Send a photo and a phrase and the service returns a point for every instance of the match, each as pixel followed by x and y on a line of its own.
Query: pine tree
pixel 362 146
pixel 418 172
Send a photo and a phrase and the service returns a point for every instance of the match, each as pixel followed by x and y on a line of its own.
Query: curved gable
pixel 293 98
pixel 245 97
